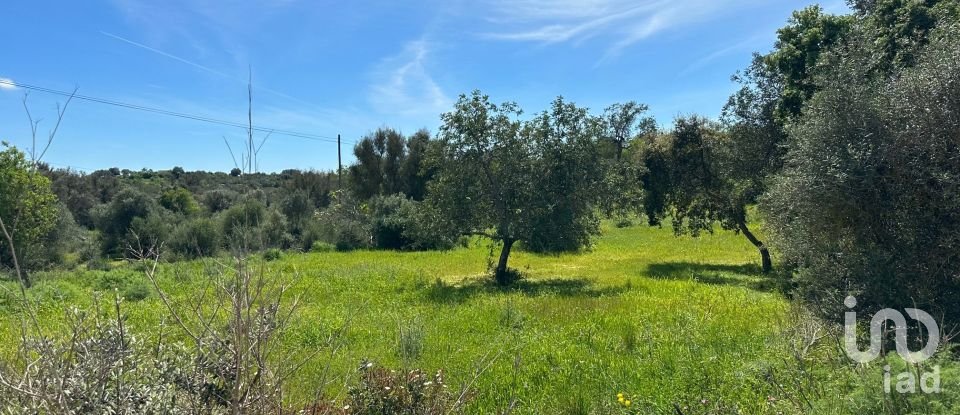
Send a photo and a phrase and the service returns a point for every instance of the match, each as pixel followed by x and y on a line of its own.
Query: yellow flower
pixel 626 403
pixel 619 396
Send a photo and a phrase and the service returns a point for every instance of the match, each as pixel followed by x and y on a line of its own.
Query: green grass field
pixel 666 321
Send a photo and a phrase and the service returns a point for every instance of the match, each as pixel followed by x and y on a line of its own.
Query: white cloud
pixel 7 84
pixel 402 85
pixel 622 22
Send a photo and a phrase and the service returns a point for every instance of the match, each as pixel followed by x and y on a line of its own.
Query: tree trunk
pixel 767 265
pixel 501 272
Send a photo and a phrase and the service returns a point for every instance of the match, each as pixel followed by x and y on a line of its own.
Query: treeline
pixel 845 136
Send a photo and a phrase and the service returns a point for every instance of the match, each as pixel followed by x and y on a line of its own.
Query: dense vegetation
pixel 845 138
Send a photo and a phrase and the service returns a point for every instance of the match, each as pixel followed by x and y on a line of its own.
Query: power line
pixel 290 133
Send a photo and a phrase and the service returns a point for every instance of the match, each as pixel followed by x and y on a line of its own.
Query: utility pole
pixel 339 165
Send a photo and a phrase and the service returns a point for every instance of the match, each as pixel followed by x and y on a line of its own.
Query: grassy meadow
pixel 672 323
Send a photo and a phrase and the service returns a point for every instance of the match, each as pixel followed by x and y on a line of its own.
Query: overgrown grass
pixel 672 323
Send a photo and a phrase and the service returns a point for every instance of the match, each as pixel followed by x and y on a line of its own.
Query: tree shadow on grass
pixel 444 292
pixel 744 275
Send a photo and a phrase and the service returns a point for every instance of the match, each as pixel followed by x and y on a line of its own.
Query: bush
pixel 388 221
pixel 272 254
pixel 196 238
pixel 58 245
pixel 867 204
pixel 130 286
pixel 219 200
pixel 344 223
pixel 401 223
pixel 383 391
pixel 179 200
pixel 320 246
pixel 117 218
pixel 240 225
pixel 313 233
pixel 137 291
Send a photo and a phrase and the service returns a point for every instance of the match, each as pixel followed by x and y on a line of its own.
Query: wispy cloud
pixel 744 45
pixel 7 84
pixel 404 86
pixel 169 55
pixel 622 22
pixel 206 68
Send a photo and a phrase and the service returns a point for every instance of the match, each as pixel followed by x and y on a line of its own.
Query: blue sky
pixel 326 68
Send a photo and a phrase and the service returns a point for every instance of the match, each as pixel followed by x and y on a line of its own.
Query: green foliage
pixel 900 29
pixel 345 224
pixel 299 209
pixel 241 223
pixel 624 122
pixel 28 207
pixel 809 33
pixel 320 246
pixel 415 170
pixel 868 204
pixel 196 238
pixel 389 163
pixel 514 178
pixel 271 254
pixel 218 200
pixel 382 391
pixel 117 219
pixel 179 200
pixel 695 171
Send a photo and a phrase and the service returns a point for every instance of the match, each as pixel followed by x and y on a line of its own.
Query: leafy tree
pixel 491 171
pixel 368 174
pixel 235 172
pixel 196 238
pixel 179 200
pixel 387 163
pixel 799 44
pixel 116 222
pixel 218 200
pixel 28 207
pixel 415 170
pixel 624 122
pixel 867 203
pixel 298 208
pixel 571 173
pixel 900 28
pixel 699 189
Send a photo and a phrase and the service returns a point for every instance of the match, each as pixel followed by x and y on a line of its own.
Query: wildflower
pixel 626 402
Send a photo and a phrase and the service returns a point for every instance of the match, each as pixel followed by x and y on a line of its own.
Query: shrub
pixel 116 219
pixel 196 238
pixel 388 221
pixel 271 254
pixel 137 291
pixel 313 233
pixel 344 223
pixel 320 246
pixel 219 200
pixel 179 200
pixel 867 204
pixel 240 225
pixel 382 391
pixel 56 247
pixel 401 223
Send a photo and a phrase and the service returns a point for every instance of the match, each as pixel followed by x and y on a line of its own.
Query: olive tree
pixel 507 179
pixel 867 202
pixel 690 173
